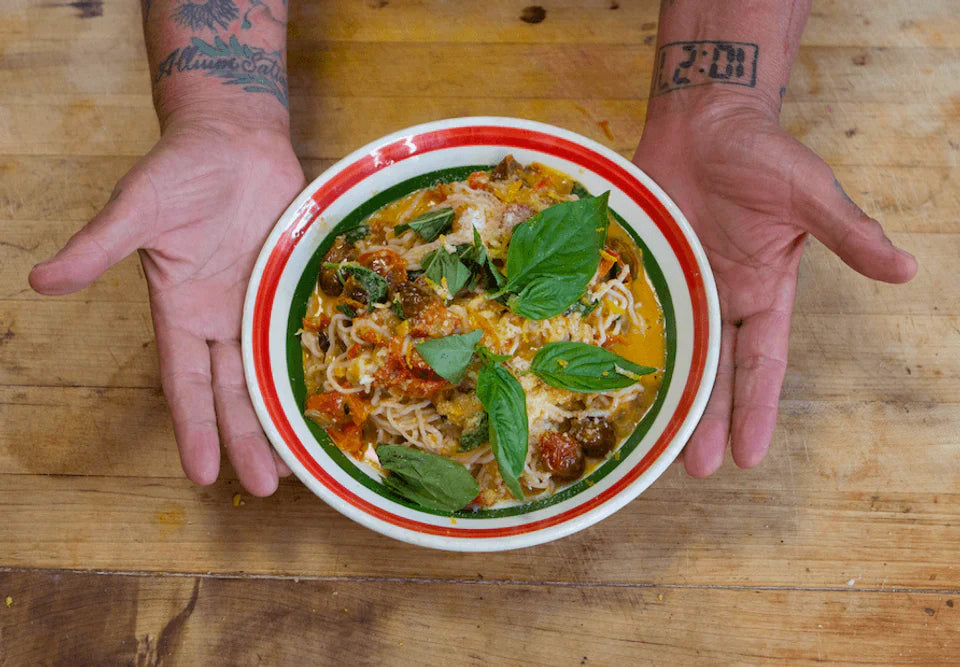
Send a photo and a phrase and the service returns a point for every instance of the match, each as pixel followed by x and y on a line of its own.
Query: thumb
pixel 830 215
pixel 113 234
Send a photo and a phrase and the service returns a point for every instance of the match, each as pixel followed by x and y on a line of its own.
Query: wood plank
pixel 74 188
pixel 863 492
pixel 832 23
pixel 35 188
pixel 906 134
pixel 826 285
pixel 877 437
pixel 81 431
pixel 117 70
pixel 873 356
pixel 110 619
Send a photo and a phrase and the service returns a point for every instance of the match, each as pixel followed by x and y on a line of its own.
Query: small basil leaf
pixel 397 308
pixel 584 307
pixel 429 225
pixel 347 310
pixel 449 356
pixel 554 254
pixel 489 357
pixel 477 436
pixel 446 270
pixel 584 368
pixel 372 283
pixel 476 258
pixel 357 233
pixel 503 398
pixel 427 479
pixel 580 191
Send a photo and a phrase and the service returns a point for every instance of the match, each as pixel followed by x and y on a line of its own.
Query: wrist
pixel 217 111
pixel 710 103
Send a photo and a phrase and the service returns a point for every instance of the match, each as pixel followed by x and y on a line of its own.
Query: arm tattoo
pixel 256 70
pixel 207 14
pixel 689 64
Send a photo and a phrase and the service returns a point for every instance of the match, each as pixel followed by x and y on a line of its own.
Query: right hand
pixel 198 206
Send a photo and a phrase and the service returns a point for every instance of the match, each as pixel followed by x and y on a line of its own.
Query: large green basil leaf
pixel 554 254
pixel 504 400
pixel 427 479
pixel 449 356
pixel 446 270
pixel 585 368
pixel 429 225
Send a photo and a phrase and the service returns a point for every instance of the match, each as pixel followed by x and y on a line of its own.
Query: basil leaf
pixel 489 357
pixel 372 282
pixel 584 368
pixel 427 479
pixel 503 398
pixel 583 307
pixel 397 308
pixel 478 436
pixel 446 270
pixel 580 191
pixel 449 356
pixel 486 261
pixel 347 310
pixel 478 260
pixel 357 233
pixel 429 225
pixel 554 254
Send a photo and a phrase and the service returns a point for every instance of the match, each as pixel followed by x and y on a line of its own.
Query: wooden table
pixel 843 546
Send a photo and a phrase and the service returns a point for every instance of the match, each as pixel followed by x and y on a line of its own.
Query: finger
pixel 282 468
pixel 703 454
pixel 114 233
pixel 185 375
pixel 243 438
pixel 843 227
pixel 761 362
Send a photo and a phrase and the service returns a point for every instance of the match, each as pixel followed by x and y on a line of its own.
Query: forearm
pixel 711 50
pixel 218 60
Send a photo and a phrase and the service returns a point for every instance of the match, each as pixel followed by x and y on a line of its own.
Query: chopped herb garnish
pixel 357 233
pixel 444 269
pixel 477 436
pixel 429 225
pixel 372 283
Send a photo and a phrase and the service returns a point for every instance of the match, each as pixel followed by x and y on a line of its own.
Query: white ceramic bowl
pixel 382 171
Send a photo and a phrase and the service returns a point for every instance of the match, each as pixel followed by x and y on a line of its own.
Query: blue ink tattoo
pixel 256 70
pixel 207 14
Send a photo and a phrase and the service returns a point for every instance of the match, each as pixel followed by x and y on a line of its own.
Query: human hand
pixel 198 206
pixel 752 193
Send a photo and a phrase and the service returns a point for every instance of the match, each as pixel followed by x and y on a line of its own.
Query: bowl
pixel 418 156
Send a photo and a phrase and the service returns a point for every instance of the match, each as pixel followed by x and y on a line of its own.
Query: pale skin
pixel 199 206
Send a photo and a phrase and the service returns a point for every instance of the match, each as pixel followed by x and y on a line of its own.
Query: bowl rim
pixel 708 360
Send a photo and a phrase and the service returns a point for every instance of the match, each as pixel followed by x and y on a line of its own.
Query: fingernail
pixel 906 254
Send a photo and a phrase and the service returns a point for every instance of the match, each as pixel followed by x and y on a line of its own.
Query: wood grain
pixel 842 546
pixel 801 520
pixel 154 620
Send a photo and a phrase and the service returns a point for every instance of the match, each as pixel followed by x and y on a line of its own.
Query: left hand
pixel 198 207
pixel 752 193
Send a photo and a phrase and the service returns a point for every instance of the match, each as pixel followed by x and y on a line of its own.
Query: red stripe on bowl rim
pixel 454 137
